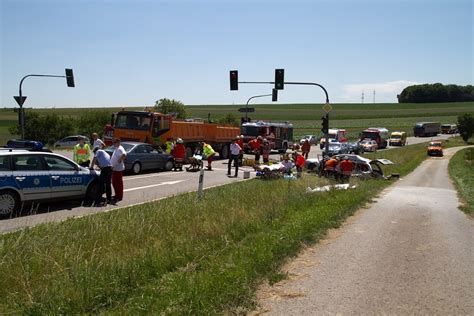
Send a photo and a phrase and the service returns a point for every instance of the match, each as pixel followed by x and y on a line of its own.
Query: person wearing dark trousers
pixel 235 151
pixel 102 160
pixel 256 146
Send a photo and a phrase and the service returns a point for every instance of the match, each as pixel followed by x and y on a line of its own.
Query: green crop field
pixel 305 117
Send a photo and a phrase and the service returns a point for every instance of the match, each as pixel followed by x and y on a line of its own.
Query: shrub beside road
pixel 461 169
pixel 177 255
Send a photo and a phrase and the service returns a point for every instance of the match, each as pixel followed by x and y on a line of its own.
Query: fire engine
pixel 279 135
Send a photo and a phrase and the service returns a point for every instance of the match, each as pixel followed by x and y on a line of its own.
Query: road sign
pixel 327 108
pixel 19 100
pixel 247 110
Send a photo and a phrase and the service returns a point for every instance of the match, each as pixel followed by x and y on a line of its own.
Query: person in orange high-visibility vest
pixel 346 166
pixel 82 153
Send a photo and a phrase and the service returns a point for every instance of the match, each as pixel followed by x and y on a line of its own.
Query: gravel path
pixel 411 252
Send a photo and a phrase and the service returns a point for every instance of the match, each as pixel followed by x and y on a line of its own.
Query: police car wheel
pixel 8 202
pixel 91 193
pixel 136 168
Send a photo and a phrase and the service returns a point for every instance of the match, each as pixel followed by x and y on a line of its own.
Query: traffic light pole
pixel 326 137
pixel 22 99
pixel 326 149
pixel 254 97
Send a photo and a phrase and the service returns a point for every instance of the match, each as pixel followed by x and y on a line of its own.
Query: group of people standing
pixel 178 151
pixel 111 167
pixel 260 147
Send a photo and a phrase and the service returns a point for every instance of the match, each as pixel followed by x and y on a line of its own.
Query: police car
pixel 27 176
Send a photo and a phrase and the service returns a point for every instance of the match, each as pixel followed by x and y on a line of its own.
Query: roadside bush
pixel 45 128
pixel 466 126
pixel 229 119
pixel 167 106
pixel 92 121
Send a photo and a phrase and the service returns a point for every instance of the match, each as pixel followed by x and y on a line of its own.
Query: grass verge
pixel 178 255
pixel 461 169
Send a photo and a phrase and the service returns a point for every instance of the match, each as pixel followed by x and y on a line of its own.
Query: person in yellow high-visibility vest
pixel 209 153
pixel 82 153
pixel 169 145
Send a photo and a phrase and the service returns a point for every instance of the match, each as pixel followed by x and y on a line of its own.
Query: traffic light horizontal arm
pixel 53 76
pixel 258 96
pixel 295 83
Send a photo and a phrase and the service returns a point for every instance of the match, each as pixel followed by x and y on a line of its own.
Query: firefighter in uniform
pixel 82 153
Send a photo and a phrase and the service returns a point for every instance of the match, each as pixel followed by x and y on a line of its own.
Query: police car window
pixel 28 163
pixel 4 163
pixel 56 163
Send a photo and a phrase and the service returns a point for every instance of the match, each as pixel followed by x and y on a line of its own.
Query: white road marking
pixel 163 173
pixel 153 185
pixel 143 177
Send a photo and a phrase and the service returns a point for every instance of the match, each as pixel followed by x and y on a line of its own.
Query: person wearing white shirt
pixel 235 151
pixel 97 142
pixel 118 166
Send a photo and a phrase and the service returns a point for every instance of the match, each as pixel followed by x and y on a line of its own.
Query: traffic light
pixel 69 78
pixel 279 79
pixel 274 95
pixel 234 80
pixel 325 124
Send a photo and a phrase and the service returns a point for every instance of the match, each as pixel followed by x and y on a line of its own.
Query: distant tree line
pixel 434 93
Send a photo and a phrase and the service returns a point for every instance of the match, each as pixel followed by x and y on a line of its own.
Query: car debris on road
pixel 327 188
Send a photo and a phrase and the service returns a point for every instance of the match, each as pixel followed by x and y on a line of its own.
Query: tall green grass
pixel 461 169
pixel 178 255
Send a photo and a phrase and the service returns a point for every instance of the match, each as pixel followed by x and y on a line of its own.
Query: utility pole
pixel 374 96
pixel 362 96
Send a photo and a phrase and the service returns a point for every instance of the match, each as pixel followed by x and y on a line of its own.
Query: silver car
pixel 311 138
pixel 69 142
pixel 141 156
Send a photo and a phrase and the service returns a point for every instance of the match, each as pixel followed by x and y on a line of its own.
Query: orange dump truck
pixel 155 128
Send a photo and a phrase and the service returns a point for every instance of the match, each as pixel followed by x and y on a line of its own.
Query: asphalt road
pixel 410 252
pixel 138 189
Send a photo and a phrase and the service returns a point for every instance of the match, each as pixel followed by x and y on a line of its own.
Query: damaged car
pixel 363 168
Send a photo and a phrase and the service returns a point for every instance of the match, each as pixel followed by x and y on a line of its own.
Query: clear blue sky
pixel 129 53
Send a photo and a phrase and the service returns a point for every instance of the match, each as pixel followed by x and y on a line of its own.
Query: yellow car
pixel 435 148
